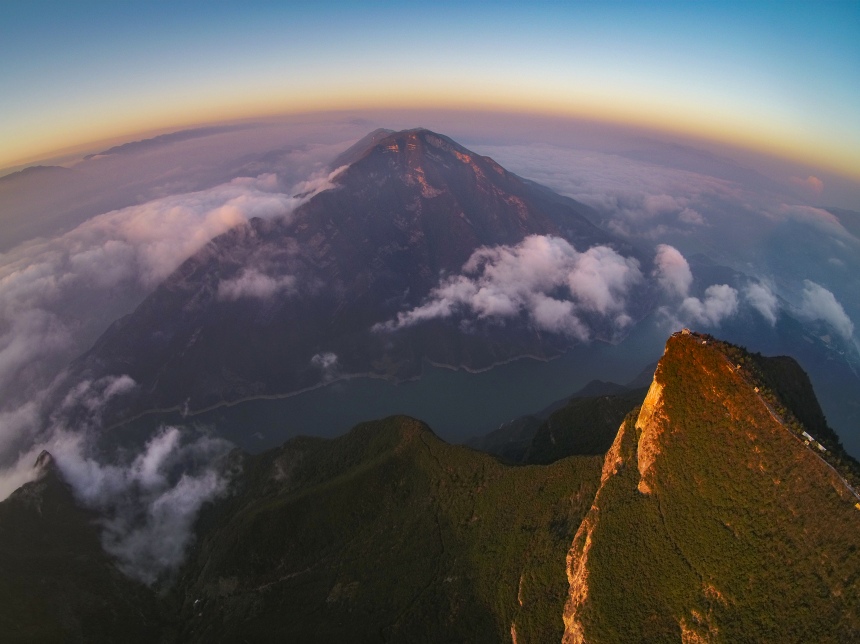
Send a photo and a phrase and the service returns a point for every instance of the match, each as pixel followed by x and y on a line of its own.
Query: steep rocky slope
pixel 715 520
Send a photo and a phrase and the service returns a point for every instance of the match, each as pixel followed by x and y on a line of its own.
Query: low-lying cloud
pixel 328 365
pixel 674 278
pixel 820 304
pixel 672 271
pixel 253 284
pixel 150 504
pixel 558 289
pixel 811 183
pixel 761 297
pixel 720 302
pixel 543 278
pixel 56 296
pixel 147 503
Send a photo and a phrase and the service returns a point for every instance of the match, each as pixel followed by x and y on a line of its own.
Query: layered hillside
pixel 717 520
pixel 582 427
pixel 584 424
pixel 386 534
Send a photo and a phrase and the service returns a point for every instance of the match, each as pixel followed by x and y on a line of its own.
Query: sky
pixel 777 77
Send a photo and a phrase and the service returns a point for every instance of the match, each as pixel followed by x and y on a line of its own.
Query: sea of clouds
pixel 57 294
pixel 59 291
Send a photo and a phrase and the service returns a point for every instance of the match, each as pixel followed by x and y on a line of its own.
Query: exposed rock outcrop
pixel 715 521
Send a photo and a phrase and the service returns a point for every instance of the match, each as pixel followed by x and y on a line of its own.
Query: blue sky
pixel 776 76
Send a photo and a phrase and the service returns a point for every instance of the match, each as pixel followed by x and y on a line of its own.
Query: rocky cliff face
pixel 715 521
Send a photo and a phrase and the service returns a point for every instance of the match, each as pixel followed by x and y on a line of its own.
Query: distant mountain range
pixel 723 511
pixel 163 139
pixel 32 171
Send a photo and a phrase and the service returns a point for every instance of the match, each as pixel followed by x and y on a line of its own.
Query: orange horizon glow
pixel 773 80
pixel 769 139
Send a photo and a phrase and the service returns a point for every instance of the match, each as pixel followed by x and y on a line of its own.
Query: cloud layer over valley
pixel 543 278
pixel 59 292
pixel 707 206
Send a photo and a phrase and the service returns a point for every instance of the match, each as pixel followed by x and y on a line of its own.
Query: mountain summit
pixel 717 517
pixel 279 306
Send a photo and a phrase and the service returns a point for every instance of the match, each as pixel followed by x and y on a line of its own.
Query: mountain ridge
pixel 707 520
pixel 730 508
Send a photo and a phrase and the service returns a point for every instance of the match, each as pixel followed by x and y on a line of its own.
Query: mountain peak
pixel 413 148
pixel 733 504
pixel 44 461
pixel 410 207
pixel 385 141
pixel 357 150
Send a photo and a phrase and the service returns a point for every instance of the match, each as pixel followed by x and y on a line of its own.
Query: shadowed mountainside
pixel 386 534
pixel 411 207
pixel 56 582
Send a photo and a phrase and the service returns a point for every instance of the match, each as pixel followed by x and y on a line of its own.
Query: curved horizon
pixel 776 80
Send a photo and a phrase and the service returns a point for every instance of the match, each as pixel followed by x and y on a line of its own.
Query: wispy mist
pixel 57 294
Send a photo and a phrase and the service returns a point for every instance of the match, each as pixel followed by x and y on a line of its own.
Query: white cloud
pixel 721 302
pixel 660 204
pixel 22 427
pixel 543 277
pixel 557 316
pixel 672 271
pixel 820 304
pixel 147 503
pixel 811 183
pixel 31 334
pixel 324 360
pixel 690 216
pixel 317 183
pixel 818 218
pixel 327 363
pixel 762 299
pixel 15 425
pixel 253 284
pixel 601 279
